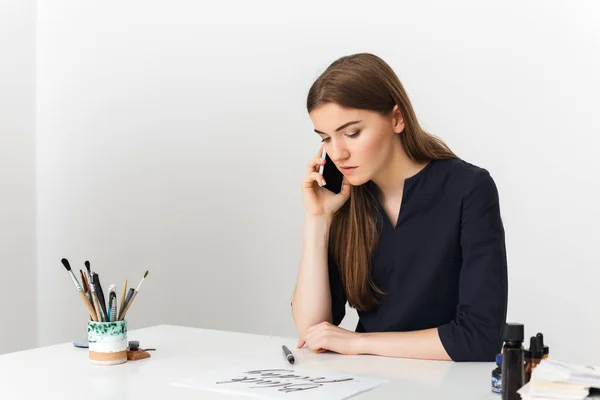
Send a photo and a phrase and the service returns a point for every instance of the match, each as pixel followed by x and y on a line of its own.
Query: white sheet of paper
pixel 277 383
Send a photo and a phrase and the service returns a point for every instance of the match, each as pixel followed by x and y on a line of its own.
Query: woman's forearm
pixel 311 302
pixel 423 344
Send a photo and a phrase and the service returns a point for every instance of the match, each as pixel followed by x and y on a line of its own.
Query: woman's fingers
pixel 313 337
pixel 314 177
pixel 317 161
pixel 314 164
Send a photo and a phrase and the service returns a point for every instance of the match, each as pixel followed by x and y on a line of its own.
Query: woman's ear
pixel 397 120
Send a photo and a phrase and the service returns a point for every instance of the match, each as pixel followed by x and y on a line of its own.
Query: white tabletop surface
pixel 64 372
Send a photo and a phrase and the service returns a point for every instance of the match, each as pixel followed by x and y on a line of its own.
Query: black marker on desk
pixel 288 354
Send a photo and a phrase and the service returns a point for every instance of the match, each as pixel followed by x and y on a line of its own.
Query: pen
pixel 113 306
pixel 288 354
pixel 111 293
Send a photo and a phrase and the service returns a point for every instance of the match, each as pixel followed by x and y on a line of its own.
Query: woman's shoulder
pixel 462 167
pixel 462 173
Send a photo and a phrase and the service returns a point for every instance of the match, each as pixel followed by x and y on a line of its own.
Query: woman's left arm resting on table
pixel 424 344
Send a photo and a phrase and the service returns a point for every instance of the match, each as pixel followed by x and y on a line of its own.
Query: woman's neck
pixel 398 168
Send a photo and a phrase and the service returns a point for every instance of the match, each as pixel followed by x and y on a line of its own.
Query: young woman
pixel 415 240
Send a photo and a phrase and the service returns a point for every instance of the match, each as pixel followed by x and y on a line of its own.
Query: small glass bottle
pixel 545 349
pixel 537 352
pixel 497 375
pixel 533 356
pixel 513 367
pixel 527 358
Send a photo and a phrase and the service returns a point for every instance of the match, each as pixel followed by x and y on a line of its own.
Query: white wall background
pixel 17 175
pixel 172 136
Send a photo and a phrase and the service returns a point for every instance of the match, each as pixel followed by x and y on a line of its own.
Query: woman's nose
pixel 338 152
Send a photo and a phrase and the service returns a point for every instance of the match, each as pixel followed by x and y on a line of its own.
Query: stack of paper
pixel 558 380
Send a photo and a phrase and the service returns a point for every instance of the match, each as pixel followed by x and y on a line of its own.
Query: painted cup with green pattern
pixel 107 342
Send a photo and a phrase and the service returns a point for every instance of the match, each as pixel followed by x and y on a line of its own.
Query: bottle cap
pixel 535 347
pixel 545 349
pixel 526 354
pixel 513 332
pixel 499 359
pixel 540 338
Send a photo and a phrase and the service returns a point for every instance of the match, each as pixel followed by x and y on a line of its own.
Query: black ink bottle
pixel 497 375
pixel 513 367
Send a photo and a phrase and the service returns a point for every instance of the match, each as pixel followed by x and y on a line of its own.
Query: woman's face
pixel 359 142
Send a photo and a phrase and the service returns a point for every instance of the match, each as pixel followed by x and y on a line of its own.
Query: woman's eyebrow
pixel 341 127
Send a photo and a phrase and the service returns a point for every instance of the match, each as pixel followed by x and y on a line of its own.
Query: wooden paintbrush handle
pixel 97 306
pixel 122 316
pixel 122 300
pixel 83 282
pixel 88 306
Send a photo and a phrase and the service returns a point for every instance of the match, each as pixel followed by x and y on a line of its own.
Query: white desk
pixel 64 372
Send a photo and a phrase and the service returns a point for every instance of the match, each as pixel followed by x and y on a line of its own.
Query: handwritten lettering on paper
pixel 283 379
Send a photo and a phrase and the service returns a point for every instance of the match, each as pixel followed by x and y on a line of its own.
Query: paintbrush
pixel 121 317
pixel 127 298
pixel 83 281
pixel 94 295
pixel 84 298
pixel 87 289
pixel 100 294
pixel 89 271
pixel 123 299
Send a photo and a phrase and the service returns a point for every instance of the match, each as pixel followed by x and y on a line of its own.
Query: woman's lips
pixel 347 170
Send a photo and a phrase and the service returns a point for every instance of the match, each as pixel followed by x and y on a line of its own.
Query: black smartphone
pixel 333 176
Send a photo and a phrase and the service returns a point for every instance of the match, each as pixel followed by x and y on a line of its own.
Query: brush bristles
pixel 146 274
pixel 65 262
pixel 87 265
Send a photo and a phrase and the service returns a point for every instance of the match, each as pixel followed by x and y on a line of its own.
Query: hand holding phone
pixel 332 175
pixel 324 189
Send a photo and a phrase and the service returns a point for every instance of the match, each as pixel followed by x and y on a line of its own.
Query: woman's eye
pixel 351 135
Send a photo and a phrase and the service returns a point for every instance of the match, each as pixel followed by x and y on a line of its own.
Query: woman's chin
pixel 356 180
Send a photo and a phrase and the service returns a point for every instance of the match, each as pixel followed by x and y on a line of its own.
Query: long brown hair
pixel 365 81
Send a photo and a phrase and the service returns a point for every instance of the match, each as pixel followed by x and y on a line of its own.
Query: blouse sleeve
pixel 475 333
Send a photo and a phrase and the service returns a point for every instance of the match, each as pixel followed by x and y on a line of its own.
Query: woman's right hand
pixel 319 201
